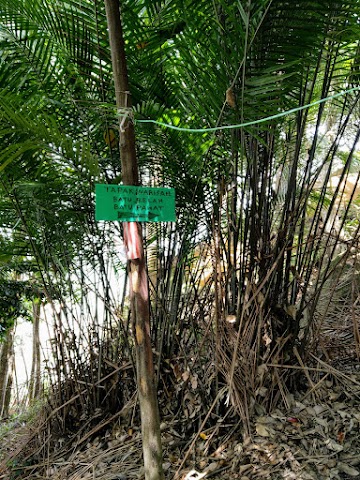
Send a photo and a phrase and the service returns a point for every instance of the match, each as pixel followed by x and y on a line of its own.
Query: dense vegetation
pixel 265 168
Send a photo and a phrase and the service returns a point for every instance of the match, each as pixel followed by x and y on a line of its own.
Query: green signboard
pixel 134 204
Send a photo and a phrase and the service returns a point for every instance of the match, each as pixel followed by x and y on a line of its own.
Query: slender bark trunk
pixel 6 367
pixel 139 289
pixel 34 386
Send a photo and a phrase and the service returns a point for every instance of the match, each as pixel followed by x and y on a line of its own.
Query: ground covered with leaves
pixel 316 435
pixel 307 430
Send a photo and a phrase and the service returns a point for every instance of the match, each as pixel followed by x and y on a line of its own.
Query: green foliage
pixel 248 193
pixel 13 296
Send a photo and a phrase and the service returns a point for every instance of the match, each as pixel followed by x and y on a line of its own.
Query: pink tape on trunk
pixel 132 240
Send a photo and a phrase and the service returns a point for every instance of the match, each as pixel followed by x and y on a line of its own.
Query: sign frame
pixel 129 203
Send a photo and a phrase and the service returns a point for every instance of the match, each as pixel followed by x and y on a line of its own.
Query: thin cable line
pixel 247 124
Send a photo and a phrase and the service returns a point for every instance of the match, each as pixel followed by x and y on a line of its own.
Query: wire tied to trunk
pixel 125 113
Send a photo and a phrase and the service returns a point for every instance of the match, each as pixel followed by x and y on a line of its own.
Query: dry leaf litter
pixel 317 437
pixel 314 436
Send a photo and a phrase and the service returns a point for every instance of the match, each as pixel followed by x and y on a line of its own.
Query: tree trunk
pixel 34 386
pixel 139 288
pixel 6 367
